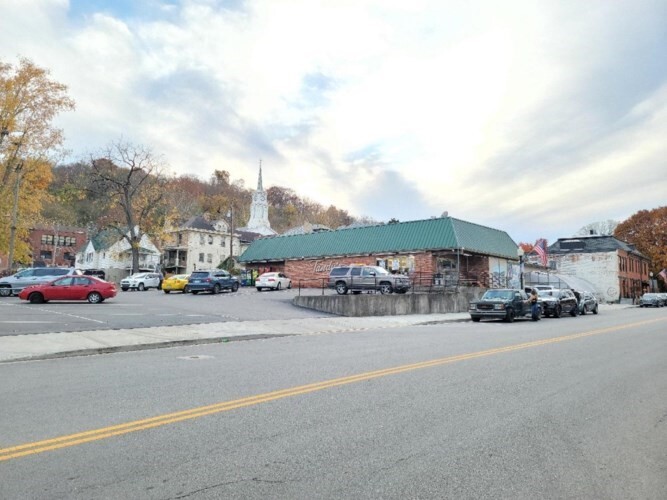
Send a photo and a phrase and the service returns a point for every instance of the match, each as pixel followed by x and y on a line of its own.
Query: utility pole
pixel 15 212
pixel 230 214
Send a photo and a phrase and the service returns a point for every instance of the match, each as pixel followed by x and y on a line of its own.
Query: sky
pixel 535 117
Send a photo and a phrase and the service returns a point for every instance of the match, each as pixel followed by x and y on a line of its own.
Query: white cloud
pixel 490 110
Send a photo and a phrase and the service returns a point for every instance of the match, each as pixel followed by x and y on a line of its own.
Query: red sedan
pixel 94 290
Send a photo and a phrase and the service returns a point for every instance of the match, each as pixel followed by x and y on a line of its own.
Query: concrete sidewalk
pixel 56 345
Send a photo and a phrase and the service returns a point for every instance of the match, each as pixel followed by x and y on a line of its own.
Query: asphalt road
pixel 567 408
pixel 133 309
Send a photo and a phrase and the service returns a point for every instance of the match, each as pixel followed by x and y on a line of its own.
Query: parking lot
pixel 150 308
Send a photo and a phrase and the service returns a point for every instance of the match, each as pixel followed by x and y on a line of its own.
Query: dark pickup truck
pixel 502 303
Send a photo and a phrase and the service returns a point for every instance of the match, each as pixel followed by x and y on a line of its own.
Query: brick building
pixel 618 271
pixel 55 246
pixel 443 250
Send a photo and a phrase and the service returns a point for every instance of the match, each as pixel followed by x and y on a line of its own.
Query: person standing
pixel 534 305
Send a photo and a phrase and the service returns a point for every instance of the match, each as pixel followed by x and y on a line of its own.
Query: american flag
pixel 663 273
pixel 541 250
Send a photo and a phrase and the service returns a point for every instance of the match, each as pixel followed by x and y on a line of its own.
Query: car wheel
pixel 341 288
pixel 5 291
pixel 557 311
pixel 278 286
pixel 141 287
pixel 259 289
pixel 36 298
pixel 216 289
pixel 124 289
pixel 476 320
pixel 509 317
pixel 385 288
pixel 235 287
pixel 166 291
pixel 574 311
pixel 595 309
pixel 195 292
pixel 94 298
pixel 289 285
pixel 583 310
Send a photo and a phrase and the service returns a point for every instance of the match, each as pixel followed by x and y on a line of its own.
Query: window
pixel 43 239
pixel 180 238
pixel 45 254
pixel 222 241
pixel 201 257
pixel 209 258
pixel 61 241
pixel 49 239
pixel 210 239
pixel 201 239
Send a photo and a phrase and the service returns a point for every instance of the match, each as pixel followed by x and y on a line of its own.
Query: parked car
pixel 650 300
pixel 176 283
pixel 558 301
pixel 212 281
pixel 663 296
pixel 359 278
pixel 272 281
pixel 587 302
pixel 141 282
pixel 98 273
pixel 12 285
pixel 506 304
pixel 89 288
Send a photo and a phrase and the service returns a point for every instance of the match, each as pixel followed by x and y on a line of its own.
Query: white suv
pixel 141 281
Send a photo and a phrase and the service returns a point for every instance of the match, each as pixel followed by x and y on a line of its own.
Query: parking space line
pixel 72 315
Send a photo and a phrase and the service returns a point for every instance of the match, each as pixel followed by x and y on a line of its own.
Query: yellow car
pixel 176 283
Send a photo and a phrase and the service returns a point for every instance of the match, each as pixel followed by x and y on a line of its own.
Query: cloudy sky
pixel 536 117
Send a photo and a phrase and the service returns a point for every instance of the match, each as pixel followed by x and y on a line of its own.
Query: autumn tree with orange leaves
pixel 647 230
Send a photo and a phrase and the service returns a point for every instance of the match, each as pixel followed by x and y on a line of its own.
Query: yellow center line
pixel 170 418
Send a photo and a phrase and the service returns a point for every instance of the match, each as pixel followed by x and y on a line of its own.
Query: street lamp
pixel 650 280
pixel 520 252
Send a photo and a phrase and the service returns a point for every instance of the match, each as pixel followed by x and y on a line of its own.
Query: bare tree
pixel 602 228
pixel 133 180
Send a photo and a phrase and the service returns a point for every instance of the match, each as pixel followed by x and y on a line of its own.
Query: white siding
pixel 600 269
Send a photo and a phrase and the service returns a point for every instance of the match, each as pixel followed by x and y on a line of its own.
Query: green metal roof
pixel 403 237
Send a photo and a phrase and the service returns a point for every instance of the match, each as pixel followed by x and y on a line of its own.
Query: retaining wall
pixel 390 305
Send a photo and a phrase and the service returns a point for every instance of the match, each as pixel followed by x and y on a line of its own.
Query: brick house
pixel 618 271
pixel 444 251
pixel 55 246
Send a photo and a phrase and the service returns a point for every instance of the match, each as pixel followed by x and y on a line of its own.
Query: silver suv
pixel 32 276
pixel 359 278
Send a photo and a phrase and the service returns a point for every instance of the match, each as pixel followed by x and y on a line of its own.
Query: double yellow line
pixel 171 418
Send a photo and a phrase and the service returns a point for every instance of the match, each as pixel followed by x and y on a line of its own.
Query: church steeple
pixel 259 210
pixel 259 180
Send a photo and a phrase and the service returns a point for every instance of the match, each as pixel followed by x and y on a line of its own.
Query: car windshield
pixel 380 271
pixel 545 293
pixel 497 294
pixel 180 277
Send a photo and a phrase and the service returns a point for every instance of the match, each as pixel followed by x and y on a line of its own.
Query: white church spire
pixel 259 210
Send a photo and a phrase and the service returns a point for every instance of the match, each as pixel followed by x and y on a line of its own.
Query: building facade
pixel 618 271
pixel 443 251
pixel 112 254
pixel 199 244
pixel 56 246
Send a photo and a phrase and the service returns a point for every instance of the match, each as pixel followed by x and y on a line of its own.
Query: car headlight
pixel 472 307
pixel 499 307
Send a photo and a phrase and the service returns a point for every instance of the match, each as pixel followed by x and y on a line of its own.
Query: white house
pixel 199 244
pixel 111 253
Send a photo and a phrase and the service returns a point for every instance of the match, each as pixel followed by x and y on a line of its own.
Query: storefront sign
pixel 321 266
